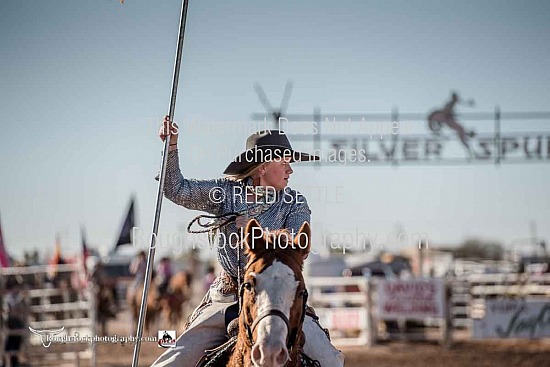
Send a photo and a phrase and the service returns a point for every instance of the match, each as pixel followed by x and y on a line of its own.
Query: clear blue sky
pixel 83 85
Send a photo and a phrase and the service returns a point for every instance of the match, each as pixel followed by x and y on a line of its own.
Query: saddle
pixel 219 356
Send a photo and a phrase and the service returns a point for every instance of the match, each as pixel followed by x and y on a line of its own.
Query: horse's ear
pixel 254 237
pixel 302 240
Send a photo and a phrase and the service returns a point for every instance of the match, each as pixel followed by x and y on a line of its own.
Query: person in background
pixel 164 274
pixel 138 266
pixel 17 312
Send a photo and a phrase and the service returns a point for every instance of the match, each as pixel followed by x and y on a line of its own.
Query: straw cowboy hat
pixel 264 146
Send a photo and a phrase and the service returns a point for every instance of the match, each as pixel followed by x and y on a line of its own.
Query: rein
pixel 214 225
pixel 219 221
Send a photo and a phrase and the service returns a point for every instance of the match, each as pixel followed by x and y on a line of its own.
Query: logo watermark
pixel 47 337
pixel 166 338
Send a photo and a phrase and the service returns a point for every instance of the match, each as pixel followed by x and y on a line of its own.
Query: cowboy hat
pixel 264 146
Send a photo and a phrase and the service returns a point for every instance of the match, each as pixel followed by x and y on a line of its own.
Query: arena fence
pixel 69 305
pixel 471 292
pixel 343 305
pixel 365 311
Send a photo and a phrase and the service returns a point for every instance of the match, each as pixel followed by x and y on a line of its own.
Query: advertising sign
pixel 411 299
pixel 509 318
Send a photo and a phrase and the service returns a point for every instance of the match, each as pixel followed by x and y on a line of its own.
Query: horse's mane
pixel 279 246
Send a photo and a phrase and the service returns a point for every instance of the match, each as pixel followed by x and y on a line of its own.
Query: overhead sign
pixel 432 149
pixel 397 138
pixel 508 318
pixel 411 299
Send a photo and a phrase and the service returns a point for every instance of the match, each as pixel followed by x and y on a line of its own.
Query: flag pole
pixel 151 255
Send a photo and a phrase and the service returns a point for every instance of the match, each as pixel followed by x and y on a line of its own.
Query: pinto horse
pixel 273 299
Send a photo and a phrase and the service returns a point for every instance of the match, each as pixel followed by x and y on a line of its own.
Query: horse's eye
pixel 248 286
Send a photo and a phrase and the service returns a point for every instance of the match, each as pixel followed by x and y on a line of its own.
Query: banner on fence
pixel 342 318
pixel 411 299
pixel 509 318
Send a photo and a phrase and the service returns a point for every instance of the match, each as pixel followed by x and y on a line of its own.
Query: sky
pixel 84 86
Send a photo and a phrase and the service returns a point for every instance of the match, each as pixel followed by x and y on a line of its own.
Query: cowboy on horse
pixel 164 274
pixel 255 186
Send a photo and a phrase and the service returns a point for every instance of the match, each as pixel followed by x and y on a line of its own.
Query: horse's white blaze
pixel 275 289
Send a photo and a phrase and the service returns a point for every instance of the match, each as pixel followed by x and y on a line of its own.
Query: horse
pixel 179 292
pixel 153 308
pixel 105 305
pixel 273 299
pixel 104 293
pixel 65 282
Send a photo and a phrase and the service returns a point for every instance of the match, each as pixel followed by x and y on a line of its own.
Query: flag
pixel 4 258
pixel 57 258
pixel 125 236
pixel 85 251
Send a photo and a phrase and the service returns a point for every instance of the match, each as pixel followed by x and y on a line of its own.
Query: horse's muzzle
pixel 266 355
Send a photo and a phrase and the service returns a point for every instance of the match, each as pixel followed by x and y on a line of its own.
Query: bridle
pixel 292 333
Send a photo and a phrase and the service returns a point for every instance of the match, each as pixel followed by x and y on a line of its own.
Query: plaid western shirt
pixel 288 209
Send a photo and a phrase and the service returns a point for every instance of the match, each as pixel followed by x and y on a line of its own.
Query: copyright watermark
pixel 369 242
pixel 47 337
pixel 218 194
pixel 330 125
pixel 344 242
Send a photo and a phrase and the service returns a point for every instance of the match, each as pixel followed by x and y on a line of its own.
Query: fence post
pixel 371 327
pixel 447 317
pixel 92 291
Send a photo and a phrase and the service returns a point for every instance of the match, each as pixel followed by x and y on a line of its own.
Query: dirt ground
pixel 471 354
pixel 462 353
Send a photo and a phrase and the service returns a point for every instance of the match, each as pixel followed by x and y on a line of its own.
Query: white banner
pixel 342 318
pixel 508 318
pixel 411 299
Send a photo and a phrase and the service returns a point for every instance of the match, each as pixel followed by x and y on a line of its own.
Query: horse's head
pixel 273 293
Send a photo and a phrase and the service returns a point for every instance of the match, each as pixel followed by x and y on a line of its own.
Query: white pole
pixel 151 256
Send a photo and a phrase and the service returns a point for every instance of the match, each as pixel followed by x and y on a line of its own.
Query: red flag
pixel 4 258
pixel 57 258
